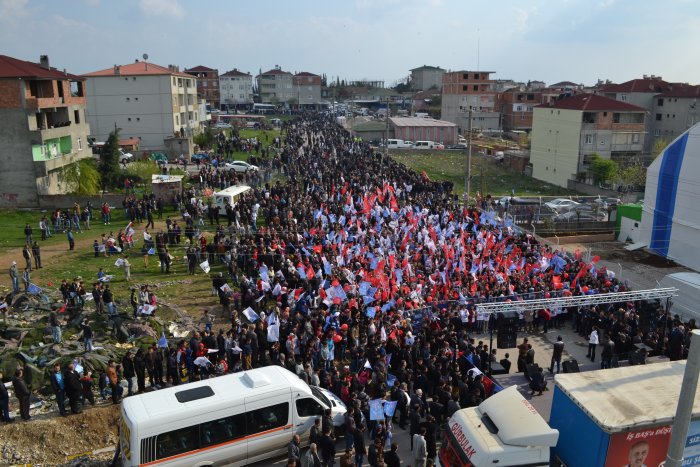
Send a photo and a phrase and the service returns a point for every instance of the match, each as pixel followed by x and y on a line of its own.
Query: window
pixel 174 82
pixel 76 116
pixel 80 144
pixel 660 102
pixel 136 98
pixel 623 97
pixel 308 407
pixel 222 430
pixel 465 76
pixel 657 132
pixel 589 139
pixel 267 418
pixel 138 119
pixel 176 442
pixel 129 119
pixel 635 137
pixel 475 87
pixel 177 119
pixel 658 117
pixel 133 78
pixel 127 99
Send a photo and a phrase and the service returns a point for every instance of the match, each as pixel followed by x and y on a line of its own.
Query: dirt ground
pixel 56 441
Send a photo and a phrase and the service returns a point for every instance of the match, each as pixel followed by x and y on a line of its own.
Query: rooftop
pixel 592 103
pixel 136 69
pixel 275 71
pixel 15 68
pixel 305 73
pixel 424 122
pixel 200 68
pixel 682 91
pixel 235 72
pixel 427 68
pixel 646 84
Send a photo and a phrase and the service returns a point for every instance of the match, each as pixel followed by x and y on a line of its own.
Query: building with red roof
pixel 308 88
pixel 276 86
pixel 44 129
pixel 568 131
pixel 236 89
pixel 207 84
pixel 146 101
pixel 463 91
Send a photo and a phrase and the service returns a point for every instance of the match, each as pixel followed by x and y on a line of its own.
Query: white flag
pixel 205 267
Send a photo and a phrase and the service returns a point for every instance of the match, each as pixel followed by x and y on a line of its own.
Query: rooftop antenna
pixel 145 58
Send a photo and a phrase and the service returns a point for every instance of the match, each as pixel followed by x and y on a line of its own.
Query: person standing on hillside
pixel 22 393
pixel 74 389
pixel 36 253
pixel 14 277
pixel 27 254
pixel 28 234
pixel 59 389
pixel 71 239
pixel 558 350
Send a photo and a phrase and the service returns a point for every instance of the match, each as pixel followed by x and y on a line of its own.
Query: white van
pixel 229 196
pixel 398 144
pixel 235 419
pixel 424 145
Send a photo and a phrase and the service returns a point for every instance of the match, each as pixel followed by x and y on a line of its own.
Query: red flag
pixel 310 274
pixel 317 248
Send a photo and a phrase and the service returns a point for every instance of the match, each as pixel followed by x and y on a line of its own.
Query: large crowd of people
pixel 362 276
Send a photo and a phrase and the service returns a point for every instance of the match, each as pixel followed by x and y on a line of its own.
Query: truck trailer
pixel 620 417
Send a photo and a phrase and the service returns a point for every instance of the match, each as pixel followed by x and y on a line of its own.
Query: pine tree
pixel 109 160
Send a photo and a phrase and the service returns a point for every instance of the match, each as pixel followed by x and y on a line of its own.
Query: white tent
pixel 671 213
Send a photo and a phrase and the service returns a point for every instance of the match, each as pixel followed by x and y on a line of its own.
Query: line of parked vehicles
pixel 562 209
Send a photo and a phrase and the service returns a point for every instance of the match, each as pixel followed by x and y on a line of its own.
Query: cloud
pixel 168 8
pixel 11 10
pixel 520 20
pixel 606 3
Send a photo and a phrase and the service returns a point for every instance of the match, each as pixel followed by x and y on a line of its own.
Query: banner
pixel 251 314
pixel 643 447
pixel 205 267
pixel 691 454
pixel 390 408
pixel 376 410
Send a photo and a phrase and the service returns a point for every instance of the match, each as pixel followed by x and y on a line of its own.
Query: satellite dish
pixel 145 56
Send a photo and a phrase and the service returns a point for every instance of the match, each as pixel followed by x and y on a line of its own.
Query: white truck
pixel 504 430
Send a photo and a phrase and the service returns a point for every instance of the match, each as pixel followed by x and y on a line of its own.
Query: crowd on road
pixel 362 277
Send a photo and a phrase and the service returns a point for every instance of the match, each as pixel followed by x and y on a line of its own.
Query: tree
pixel 659 146
pixel 205 139
pixel 633 175
pixel 80 178
pixel 109 160
pixel 602 170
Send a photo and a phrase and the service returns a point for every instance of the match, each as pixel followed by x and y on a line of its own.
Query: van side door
pixel 269 423
pixel 306 411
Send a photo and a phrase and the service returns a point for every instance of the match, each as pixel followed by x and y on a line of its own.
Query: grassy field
pixel 488 176
pixel 265 136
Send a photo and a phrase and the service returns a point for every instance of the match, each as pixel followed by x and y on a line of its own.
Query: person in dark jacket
pixel 87 385
pixel 293 450
pixel 59 388
pixel 128 371
pixel 4 402
pixel 74 389
pixel 22 393
pixel 391 458
pixel 359 442
pixel 140 370
pixel 327 448
pixel 414 420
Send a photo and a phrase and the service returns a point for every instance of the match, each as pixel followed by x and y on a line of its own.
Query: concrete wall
pixel 593 190
pixel 150 108
pixel 17 177
pixel 676 115
pixel 554 152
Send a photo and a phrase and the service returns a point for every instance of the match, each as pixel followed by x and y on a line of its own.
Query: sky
pixel 547 40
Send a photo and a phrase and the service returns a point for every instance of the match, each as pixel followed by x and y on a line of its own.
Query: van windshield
pixel 452 454
pixel 320 396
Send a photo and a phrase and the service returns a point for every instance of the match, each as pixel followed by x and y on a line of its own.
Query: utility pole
pixel 386 135
pixel 468 178
pixel 686 400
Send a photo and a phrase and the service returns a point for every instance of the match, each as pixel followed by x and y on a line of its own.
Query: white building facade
pixel 146 101
pixel 236 88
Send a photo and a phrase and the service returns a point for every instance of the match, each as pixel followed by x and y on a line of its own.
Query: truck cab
pixel 504 430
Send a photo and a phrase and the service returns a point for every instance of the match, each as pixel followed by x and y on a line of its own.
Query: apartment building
pixel 674 111
pixel 426 77
pixel 465 90
pixel 276 86
pixel 43 129
pixel 566 132
pixel 236 89
pixel 308 89
pixel 208 86
pixel 147 101
pixel 516 107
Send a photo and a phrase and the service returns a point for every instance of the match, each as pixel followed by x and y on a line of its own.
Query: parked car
pixel 240 166
pixel 461 146
pixel 561 204
pixel 576 216
pixel 200 156
pixel 159 158
pixel 125 156
pixel 425 145
pixel 223 126
pixel 605 203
